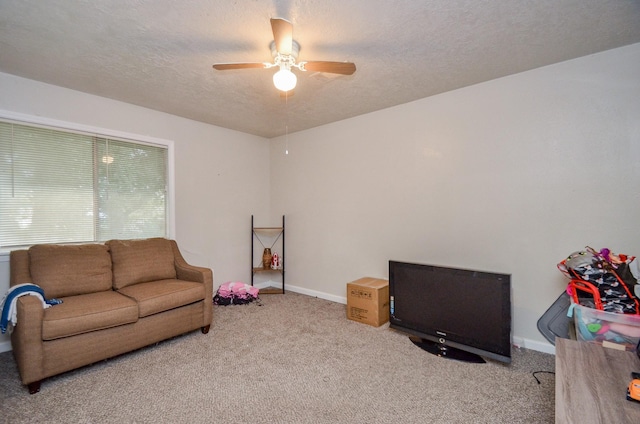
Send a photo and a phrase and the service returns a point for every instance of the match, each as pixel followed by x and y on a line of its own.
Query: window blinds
pixel 64 187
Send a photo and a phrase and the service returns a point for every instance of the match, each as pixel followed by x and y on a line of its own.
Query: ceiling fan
pixel 284 50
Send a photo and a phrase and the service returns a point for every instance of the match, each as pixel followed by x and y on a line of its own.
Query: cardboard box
pixel 368 301
pixel 617 331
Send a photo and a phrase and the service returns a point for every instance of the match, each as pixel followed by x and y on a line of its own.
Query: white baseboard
pixel 269 283
pixel 5 346
pixel 314 293
pixel 534 345
pixel 517 341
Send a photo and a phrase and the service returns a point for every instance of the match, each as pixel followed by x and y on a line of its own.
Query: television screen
pixel 455 313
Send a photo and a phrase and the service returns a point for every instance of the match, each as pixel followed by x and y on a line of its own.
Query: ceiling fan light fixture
pixel 284 50
pixel 284 79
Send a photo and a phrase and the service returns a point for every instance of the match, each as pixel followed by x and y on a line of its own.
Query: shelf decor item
pixel 266 258
pixel 275 261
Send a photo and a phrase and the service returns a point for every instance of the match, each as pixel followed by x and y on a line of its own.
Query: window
pixel 61 186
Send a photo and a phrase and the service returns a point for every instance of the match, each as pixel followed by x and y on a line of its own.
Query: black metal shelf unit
pixel 274 234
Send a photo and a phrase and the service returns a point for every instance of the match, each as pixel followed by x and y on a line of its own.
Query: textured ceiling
pixel 158 53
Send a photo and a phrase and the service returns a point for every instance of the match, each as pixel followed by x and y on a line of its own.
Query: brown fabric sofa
pixel 117 297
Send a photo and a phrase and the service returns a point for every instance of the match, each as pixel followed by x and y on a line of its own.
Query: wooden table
pixel 591 384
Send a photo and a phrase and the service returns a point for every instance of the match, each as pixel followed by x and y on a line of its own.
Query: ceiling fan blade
pixel 282 35
pixel 227 66
pixel 344 68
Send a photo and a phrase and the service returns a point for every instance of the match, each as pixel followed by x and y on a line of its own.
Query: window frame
pixel 24 119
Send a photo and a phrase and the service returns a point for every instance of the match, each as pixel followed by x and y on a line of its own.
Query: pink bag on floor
pixel 235 293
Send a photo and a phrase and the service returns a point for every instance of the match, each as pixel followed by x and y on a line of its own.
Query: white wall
pixel 221 176
pixel 508 176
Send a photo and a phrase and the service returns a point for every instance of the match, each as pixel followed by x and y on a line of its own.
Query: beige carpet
pixel 292 359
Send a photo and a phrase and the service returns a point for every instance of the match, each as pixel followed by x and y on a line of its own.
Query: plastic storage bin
pixel 620 331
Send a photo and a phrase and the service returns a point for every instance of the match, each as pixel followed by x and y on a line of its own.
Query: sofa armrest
pixel 26 339
pixel 187 272
pixel 198 274
pixel 19 268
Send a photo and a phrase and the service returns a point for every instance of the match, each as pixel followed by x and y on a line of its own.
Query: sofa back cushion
pixel 141 261
pixel 70 270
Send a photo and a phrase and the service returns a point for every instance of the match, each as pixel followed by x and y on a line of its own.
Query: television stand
pixel 444 351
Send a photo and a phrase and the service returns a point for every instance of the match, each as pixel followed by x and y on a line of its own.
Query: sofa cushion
pixel 63 270
pixel 88 312
pixel 158 296
pixel 140 261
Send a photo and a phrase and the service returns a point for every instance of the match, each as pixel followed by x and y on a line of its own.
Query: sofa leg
pixel 205 329
pixel 34 387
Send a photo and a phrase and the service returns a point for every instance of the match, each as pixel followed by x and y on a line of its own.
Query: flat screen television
pixel 453 313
